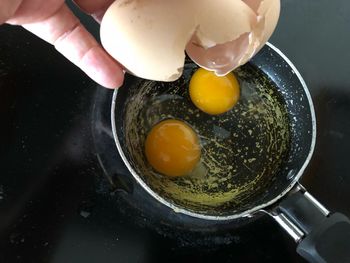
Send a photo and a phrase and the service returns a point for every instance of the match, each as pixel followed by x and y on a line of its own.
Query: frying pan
pixel 253 157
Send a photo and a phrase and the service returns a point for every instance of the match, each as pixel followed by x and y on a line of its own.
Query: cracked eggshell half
pixel 149 37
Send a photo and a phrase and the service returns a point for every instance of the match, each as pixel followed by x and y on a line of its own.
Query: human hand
pixel 53 21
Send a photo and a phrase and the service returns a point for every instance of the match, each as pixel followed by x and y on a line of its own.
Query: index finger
pixel 68 35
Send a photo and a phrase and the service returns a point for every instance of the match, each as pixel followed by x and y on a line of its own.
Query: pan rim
pixel 246 213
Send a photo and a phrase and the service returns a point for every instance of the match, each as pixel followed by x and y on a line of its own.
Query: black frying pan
pixel 253 155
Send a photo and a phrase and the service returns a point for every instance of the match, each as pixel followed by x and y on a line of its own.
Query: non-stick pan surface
pixel 252 155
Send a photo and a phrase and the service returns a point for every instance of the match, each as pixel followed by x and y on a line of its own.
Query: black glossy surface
pixel 54 206
pixel 328 242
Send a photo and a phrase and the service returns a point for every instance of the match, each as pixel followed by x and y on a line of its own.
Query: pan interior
pixel 242 150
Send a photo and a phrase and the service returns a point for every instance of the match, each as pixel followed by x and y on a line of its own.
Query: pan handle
pixel 321 236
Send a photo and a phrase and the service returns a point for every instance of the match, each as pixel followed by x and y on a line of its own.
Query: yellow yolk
pixel 172 148
pixel 212 94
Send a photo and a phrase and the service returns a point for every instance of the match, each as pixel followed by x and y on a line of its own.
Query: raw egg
pixel 150 37
pixel 172 148
pixel 213 94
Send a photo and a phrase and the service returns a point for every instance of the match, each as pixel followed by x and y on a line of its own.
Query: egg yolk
pixel 172 148
pixel 212 94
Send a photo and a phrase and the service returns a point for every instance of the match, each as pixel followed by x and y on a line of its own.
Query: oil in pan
pixel 241 149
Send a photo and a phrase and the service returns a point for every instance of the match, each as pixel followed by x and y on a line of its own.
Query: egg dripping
pixel 213 94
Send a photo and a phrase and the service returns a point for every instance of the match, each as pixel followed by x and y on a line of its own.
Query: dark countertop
pixel 55 201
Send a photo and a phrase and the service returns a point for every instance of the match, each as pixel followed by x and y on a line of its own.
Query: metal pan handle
pixel 321 236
